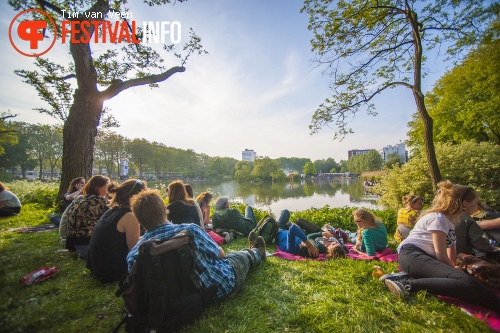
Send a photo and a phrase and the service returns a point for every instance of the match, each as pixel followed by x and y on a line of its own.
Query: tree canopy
pixel 76 92
pixel 369 46
pixel 469 94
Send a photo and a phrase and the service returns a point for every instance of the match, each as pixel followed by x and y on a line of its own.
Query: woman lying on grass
pixel 428 254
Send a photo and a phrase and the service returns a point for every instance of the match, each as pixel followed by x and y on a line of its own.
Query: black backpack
pixel 267 228
pixel 162 293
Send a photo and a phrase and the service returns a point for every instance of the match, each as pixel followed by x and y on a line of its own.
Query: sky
pixel 256 89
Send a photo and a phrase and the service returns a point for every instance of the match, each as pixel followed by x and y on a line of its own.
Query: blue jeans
pixel 441 279
pixel 284 218
pixel 243 261
pixel 250 215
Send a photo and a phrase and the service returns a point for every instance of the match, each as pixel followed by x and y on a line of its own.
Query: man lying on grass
pixel 226 272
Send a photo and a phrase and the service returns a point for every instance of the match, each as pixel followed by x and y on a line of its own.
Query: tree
pixel 326 165
pixel 309 169
pixel 41 140
pixel 468 94
pixel 243 171
pixel 54 153
pixel 7 134
pixel 114 71
pixel 266 169
pixel 19 154
pixel 139 151
pixel 393 160
pixel 110 148
pixel 369 46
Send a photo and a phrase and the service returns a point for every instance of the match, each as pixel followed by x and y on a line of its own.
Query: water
pixel 297 195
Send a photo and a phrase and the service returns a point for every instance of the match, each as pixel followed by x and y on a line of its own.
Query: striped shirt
pixel 212 270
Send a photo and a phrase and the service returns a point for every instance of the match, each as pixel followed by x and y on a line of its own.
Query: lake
pixel 296 195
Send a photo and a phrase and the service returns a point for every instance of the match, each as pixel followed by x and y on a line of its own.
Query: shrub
pixel 35 192
pixel 468 163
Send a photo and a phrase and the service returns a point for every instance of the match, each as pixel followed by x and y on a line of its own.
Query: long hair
pixel 3 187
pixel 450 198
pixel 335 251
pixel 123 192
pixel 177 192
pixel 94 183
pixel 367 217
pixel 72 186
pixel 204 199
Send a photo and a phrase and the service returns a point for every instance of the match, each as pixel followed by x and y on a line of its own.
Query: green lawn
pixel 280 296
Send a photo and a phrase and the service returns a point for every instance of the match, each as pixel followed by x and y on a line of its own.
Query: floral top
pixel 84 214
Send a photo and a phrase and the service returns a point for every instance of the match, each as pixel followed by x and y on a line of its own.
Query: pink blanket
pixel 491 318
pixel 384 255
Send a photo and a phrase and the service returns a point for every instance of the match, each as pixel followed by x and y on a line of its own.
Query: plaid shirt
pixel 212 270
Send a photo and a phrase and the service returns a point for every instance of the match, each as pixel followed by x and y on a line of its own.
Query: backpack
pixel 162 293
pixel 267 228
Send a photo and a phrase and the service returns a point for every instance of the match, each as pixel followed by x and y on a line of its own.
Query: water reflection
pixel 298 195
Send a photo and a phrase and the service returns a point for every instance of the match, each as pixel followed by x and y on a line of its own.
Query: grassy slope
pixel 280 296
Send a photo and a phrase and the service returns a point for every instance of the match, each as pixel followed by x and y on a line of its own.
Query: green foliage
pixel 365 162
pixel 279 296
pixel 267 169
pixel 309 169
pixel 464 103
pixel 468 163
pixel 292 163
pixel 35 192
pixel 7 133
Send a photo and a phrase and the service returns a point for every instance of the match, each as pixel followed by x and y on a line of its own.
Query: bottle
pixel 377 272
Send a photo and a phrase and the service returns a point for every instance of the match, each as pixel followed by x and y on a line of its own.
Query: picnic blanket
pixel 28 230
pixel 491 318
pixel 385 255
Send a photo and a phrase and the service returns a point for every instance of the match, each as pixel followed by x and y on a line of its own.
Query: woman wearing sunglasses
pixel 116 232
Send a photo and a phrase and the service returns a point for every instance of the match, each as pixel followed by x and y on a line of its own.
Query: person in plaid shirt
pixel 226 272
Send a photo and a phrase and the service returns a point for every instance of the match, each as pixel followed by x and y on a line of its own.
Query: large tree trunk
pixel 80 129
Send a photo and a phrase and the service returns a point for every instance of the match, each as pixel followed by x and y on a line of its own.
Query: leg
pixel 243 261
pixel 250 215
pixel 440 279
pixel 283 220
pixel 307 226
pixel 404 230
pixel 293 233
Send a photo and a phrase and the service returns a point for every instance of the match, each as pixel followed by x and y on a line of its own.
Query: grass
pixel 279 296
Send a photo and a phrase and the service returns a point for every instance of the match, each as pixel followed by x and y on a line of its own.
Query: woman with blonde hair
pixel 428 254
pixel 372 235
pixel 407 216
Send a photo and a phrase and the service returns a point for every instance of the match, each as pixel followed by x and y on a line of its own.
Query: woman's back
pixel 181 212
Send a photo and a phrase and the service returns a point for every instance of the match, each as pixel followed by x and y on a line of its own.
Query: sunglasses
pixel 137 182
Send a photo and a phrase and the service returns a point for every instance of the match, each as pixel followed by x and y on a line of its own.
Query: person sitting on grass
pixel 230 218
pixel 372 235
pixel 225 272
pixel 75 189
pixel 9 202
pixel 428 255
pixel 407 216
pixel 204 200
pixel 181 208
pixel 83 214
pixel 471 239
pixel 116 232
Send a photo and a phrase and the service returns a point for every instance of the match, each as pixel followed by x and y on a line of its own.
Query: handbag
pixel 484 270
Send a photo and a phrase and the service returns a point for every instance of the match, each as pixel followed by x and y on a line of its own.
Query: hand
pixel 313 251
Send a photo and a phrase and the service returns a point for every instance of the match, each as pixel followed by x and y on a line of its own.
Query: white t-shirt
pixel 421 234
pixel 11 200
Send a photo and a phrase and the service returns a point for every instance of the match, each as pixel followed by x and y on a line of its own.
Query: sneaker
pixel 228 236
pixel 252 239
pixel 398 288
pixel 395 276
pixel 261 245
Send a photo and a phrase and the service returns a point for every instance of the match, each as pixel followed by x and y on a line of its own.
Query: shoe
pixel 252 239
pixel 261 245
pixel 228 237
pixel 400 289
pixel 395 276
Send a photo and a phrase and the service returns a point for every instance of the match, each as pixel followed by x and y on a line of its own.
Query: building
pixel 355 152
pixel 399 149
pixel 248 155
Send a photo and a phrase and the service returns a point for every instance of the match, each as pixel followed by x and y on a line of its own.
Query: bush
pixel 35 192
pixel 468 163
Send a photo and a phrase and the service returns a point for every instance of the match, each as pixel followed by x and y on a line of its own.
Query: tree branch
pixel 115 89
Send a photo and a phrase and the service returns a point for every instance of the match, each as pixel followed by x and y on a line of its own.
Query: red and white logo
pixel 29 37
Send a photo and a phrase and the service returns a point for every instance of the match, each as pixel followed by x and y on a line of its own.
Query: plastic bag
pixel 39 275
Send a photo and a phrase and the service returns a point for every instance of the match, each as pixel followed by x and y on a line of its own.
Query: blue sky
pixel 257 89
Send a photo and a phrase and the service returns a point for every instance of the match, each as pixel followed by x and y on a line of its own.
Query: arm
pixel 490 224
pixel 452 255
pixel 221 254
pixel 439 240
pixel 130 226
pixel 72 196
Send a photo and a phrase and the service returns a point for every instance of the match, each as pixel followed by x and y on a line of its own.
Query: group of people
pixel 428 252
pixel 108 222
